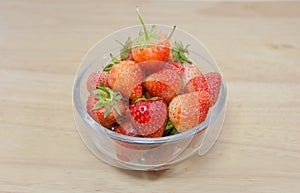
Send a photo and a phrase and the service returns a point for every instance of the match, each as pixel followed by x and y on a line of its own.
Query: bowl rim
pixel 80 107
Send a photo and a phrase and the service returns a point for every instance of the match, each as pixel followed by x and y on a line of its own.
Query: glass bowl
pixel 136 153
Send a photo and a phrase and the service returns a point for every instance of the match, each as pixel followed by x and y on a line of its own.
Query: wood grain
pixel 256 45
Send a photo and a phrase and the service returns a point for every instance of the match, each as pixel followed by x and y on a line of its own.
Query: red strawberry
pixel 196 84
pixel 149 117
pixel 214 83
pixel 150 48
pixel 165 84
pixel 158 52
pixel 126 77
pixel 98 115
pixel 94 80
pixel 176 67
pixel 188 110
pixel 104 106
pixel 127 129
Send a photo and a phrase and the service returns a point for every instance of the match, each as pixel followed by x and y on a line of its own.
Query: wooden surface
pixel 257 46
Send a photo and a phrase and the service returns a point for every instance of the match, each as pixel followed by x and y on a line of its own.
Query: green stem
pixel 172 32
pixel 142 22
pixel 114 59
pixel 143 98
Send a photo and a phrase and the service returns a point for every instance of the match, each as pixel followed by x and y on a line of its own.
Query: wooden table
pixel 257 46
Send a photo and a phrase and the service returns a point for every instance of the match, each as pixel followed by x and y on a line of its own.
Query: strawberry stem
pixel 114 59
pixel 142 22
pixel 143 98
pixel 172 32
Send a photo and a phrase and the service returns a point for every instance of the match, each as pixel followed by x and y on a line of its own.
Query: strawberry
pixel 151 47
pixel 198 83
pixel 188 110
pixel 94 80
pixel 210 82
pixel 126 77
pixel 176 67
pixel 149 116
pixel 190 72
pixel 165 84
pixel 104 106
pixel 214 83
pixel 127 129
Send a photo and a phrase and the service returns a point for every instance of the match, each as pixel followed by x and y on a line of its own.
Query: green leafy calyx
pixel 170 129
pixel 106 98
pixel 114 61
pixel 179 52
pixel 126 49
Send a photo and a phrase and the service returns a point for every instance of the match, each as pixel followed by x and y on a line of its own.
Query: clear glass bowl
pixel 135 153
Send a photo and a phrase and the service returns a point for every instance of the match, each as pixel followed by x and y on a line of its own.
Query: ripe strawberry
pixel 127 129
pixel 150 48
pixel 214 83
pixel 105 105
pixel 188 110
pixel 149 116
pixel 126 77
pixel 165 84
pixel 196 84
pixel 94 80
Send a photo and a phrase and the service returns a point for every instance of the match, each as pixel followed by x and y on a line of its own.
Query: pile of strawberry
pixel 152 89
